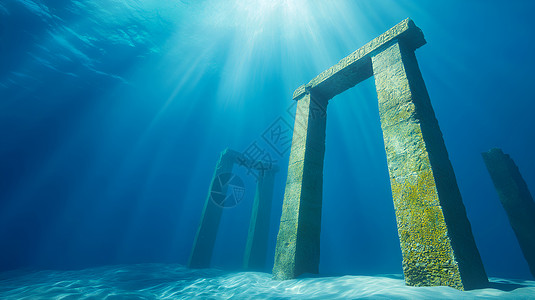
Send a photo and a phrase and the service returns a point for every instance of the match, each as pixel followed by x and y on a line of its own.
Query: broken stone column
pixel 298 241
pixel 516 200
pixel 435 235
pixel 257 238
pixel 203 245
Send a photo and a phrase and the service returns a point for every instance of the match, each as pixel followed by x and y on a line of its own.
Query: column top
pixel 357 67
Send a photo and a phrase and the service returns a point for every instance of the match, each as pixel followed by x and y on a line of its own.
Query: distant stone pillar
pixel 435 235
pixel 257 238
pixel 203 245
pixel 298 241
pixel 516 200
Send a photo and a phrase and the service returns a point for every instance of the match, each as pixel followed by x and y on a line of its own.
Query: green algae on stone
pixel 435 235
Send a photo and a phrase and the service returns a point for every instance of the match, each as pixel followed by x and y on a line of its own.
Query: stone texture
pixel 203 245
pixel 516 200
pixel 298 240
pixel 257 238
pixel 356 67
pixel 435 236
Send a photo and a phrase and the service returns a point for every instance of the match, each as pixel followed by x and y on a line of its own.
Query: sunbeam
pixel 113 115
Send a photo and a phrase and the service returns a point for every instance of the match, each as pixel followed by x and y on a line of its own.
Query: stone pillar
pixel 435 235
pixel 257 238
pixel 298 241
pixel 203 245
pixel 516 200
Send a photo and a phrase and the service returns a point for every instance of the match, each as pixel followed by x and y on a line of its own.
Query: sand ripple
pixel 164 281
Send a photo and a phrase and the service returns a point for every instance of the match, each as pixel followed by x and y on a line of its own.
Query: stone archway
pixel 257 238
pixel 436 239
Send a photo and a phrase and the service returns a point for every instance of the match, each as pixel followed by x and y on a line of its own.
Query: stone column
pixel 435 235
pixel 203 245
pixel 298 241
pixel 516 200
pixel 257 238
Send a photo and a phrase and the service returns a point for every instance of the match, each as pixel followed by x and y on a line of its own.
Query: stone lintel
pixel 357 66
pixel 239 158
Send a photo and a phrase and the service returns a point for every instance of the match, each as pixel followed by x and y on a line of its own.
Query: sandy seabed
pixel 165 281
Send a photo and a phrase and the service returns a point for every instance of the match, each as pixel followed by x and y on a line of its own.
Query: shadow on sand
pixel 506 287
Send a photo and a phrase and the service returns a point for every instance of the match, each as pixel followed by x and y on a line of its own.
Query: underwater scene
pixel 267 149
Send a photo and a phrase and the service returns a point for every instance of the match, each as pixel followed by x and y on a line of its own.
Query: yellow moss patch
pixel 428 258
pixel 414 190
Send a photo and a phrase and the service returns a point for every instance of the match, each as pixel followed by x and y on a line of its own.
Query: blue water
pixel 113 115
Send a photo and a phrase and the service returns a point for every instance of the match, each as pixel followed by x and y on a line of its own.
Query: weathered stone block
pixel 406 151
pixel 297 249
pixel 415 190
pixel 414 146
pixel 516 200
pixel 203 245
pixel 428 258
pixel 356 67
pixel 257 238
